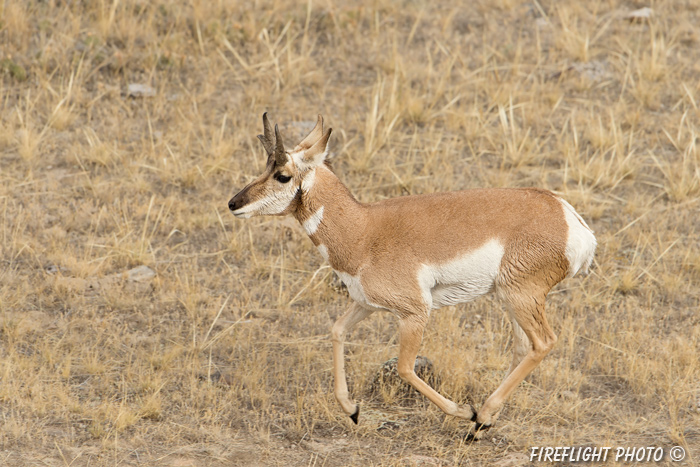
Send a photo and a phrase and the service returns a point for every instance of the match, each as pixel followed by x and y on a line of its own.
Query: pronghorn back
pixel 458 245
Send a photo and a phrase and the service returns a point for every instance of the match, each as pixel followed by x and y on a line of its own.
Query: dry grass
pixel 224 357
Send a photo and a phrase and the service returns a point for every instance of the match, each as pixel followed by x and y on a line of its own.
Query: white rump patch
pixel 311 224
pixel 462 279
pixel 580 241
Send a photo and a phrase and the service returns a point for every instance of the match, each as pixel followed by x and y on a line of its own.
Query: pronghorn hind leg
pixel 345 323
pixel 528 312
pixel 521 347
pixel 521 344
pixel 410 338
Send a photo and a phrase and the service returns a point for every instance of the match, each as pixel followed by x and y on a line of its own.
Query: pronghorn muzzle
pixel 238 201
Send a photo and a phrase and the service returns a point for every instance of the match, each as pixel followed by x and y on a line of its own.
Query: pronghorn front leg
pixel 410 337
pixel 345 323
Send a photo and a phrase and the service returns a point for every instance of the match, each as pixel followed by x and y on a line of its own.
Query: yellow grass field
pixel 223 357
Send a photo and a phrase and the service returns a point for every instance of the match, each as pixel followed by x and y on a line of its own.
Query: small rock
pixel 542 23
pixel 639 15
pixel 140 274
pixel 140 90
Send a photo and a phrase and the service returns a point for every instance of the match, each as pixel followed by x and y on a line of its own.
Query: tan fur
pixel 381 248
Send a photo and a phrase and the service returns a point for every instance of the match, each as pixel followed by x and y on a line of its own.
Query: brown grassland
pixel 224 357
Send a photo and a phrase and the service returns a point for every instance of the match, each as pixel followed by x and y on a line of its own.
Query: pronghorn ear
pixel 312 137
pixel 317 153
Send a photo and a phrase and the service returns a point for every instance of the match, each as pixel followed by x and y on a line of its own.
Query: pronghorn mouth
pixel 241 214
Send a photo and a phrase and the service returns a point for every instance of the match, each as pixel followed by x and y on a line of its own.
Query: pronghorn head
pixel 278 190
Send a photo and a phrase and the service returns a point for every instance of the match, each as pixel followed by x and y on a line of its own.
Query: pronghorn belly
pixel 462 279
pixel 446 295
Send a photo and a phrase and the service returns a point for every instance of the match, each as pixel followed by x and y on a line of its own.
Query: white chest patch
pixel 311 224
pixel 355 289
pixel 462 279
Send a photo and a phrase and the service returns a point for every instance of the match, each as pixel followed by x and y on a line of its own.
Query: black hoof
pixel 354 416
pixel 471 437
pixel 478 428
pixel 481 426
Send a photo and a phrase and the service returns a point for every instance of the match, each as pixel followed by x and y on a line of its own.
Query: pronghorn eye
pixel 281 178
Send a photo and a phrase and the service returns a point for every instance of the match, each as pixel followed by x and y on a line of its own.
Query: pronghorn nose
pixel 238 201
pixel 232 204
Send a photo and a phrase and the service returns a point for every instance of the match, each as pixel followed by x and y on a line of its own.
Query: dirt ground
pixel 141 324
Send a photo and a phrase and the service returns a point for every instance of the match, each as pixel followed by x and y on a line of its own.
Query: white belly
pixel 457 281
pixel 462 279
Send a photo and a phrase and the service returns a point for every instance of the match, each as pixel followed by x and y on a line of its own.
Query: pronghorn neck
pixel 332 218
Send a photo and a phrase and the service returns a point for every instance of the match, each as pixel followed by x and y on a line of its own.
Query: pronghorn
pixel 412 254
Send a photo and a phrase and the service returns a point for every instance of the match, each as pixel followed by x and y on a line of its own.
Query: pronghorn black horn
pixel 280 154
pixel 266 139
